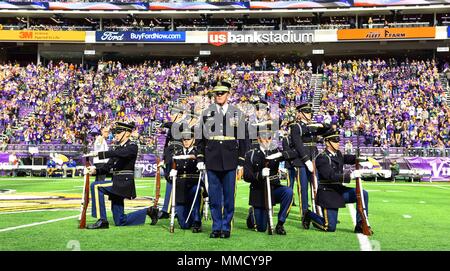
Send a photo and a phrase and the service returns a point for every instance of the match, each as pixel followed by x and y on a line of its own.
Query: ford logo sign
pixel 112 36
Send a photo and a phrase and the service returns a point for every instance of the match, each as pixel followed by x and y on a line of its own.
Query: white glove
pixel 89 170
pixel 309 165
pixel 355 174
pixel 161 164
pixel 240 168
pixel 201 166
pixel 173 173
pixel 274 156
pixel 91 154
pixel 266 172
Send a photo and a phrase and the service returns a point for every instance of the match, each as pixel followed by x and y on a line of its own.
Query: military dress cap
pixel 305 107
pixel 266 129
pixel 222 82
pixel 187 134
pixel 221 89
pixel 261 104
pixel 122 126
pixel 331 135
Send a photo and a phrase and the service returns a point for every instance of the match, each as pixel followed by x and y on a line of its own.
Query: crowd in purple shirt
pixel 396 104
pixel 62 103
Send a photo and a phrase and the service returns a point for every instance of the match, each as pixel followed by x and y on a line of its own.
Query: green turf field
pixel 404 216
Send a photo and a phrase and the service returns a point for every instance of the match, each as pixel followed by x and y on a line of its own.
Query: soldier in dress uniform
pixel 292 173
pixel 187 178
pixel 261 117
pixel 303 139
pixel 331 193
pixel 262 161
pixel 222 150
pixel 169 148
pixel 121 164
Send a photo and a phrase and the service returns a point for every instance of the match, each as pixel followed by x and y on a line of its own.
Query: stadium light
pixel 442 49
pixel 205 52
pixel 89 52
pixel 318 51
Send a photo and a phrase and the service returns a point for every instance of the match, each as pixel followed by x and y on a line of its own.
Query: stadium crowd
pixel 396 104
pixel 66 103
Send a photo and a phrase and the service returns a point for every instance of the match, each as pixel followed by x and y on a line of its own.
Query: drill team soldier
pixel 121 163
pixel 331 193
pixel 187 192
pixel 303 139
pixel 221 150
pixel 262 161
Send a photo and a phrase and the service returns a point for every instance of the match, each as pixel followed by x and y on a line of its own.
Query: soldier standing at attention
pixel 222 150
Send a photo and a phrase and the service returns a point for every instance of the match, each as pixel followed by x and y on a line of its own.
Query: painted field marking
pixel 39 223
pixel 364 242
pixel 385 200
pixel 422 201
pixel 407 216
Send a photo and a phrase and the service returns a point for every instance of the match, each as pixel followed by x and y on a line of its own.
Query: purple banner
pixel 438 167
pixel 4 158
pixel 148 164
pixel 199 6
pixel 97 6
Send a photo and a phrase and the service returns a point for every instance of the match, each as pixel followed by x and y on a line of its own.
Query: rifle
pixel 314 185
pixel 154 209
pixel 206 207
pixel 174 187
pixel 268 192
pixel 85 198
pixel 361 208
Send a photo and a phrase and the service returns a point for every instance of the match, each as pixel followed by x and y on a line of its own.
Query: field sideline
pixel 404 216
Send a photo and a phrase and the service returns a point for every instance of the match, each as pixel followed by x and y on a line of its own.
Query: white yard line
pixel 364 242
pixel 34 211
pixel 39 223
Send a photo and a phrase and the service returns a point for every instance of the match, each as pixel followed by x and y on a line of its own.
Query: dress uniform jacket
pixel 223 144
pixel 187 174
pixel 303 139
pixel 254 163
pixel 121 163
pixel 286 143
pixel 331 178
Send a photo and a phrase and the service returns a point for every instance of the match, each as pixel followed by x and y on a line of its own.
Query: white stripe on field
pixel 39 223
pixel 364 243
pixel 33 211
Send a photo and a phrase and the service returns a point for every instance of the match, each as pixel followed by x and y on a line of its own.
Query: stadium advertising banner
pixel 439 167
pixel 31 35
pixel 448 31
pixel 387 33
pixel 4 158
pixel 139 36
pixel 219 38
pixel 148 164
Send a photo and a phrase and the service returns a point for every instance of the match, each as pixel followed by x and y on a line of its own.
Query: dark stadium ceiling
pixel 231 14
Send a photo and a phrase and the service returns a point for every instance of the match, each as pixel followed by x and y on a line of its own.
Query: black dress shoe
pixel 163 215
pixel 279 229
pixel 100 224
pixel 197 227
pixel 306 219
pixel 358 229
pixel 152 212
pixel 225 234
pixel 214 234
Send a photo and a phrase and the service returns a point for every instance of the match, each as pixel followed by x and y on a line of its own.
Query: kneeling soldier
pixel 331 194
pixel 261 162
pixel 121 162
pixel 187 191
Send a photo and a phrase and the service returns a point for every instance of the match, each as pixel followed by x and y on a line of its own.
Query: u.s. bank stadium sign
pixel 229 37
pixel 139 36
